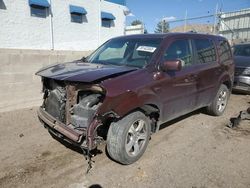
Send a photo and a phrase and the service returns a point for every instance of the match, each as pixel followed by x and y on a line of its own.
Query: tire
pixel 128 138
pixel 219 104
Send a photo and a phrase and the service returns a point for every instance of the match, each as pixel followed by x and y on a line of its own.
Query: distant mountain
pixel 199 28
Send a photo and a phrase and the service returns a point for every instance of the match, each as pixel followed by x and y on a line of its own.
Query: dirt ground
pixel 195 151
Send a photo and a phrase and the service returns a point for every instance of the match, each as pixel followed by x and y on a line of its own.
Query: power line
pixel 192 18
pixel 206 16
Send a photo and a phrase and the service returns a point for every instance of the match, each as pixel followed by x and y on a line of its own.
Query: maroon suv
pixel 130 85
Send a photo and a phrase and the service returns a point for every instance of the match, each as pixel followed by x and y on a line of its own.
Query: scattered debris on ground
pixel 235 121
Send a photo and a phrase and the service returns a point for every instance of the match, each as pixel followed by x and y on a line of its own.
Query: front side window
pixel 135 52
pixel 180 50
pixel 205 51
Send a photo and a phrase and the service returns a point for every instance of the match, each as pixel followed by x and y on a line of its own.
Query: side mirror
pixel 174 65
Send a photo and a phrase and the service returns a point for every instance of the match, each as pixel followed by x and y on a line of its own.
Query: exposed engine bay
pixel 71 110
pixel 81 109
pixel 73 106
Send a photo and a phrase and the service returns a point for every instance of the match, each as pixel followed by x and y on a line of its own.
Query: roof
pixel 170 34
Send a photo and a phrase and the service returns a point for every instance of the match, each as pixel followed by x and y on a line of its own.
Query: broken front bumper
pixel 59 129
pixel 83 138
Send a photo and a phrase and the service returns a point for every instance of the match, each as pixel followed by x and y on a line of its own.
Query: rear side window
pixel 205 51
pixel 225 51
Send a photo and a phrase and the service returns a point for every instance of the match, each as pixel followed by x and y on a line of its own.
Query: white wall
pixel 20 87
pixel 74 36
pixel 134 29
pixel 235 25
pixel 119 23
pixel 19 30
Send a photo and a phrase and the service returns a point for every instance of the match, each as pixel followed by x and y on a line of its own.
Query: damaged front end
pixel 69 111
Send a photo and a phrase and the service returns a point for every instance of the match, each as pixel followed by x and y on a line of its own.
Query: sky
pixel 152 11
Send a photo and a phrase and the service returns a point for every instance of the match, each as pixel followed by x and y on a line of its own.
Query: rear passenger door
pixel 207 68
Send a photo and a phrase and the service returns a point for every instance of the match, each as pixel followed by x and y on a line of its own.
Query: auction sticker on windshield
pixel 146 49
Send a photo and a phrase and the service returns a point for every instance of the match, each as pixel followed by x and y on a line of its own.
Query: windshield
pixel 242 50
pixel 136 52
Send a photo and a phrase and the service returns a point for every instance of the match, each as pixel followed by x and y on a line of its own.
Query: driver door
pixel 178 91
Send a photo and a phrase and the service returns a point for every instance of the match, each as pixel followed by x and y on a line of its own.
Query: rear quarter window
pixel 205 50
pixel 224 52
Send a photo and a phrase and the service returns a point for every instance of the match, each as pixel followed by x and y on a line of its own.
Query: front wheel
pixel 128 138
pixel 218 105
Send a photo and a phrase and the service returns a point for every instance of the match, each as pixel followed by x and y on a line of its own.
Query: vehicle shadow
pixel 169 123
pixel 235 92
pixel 74 147
pixel 95 186
pixel 97 151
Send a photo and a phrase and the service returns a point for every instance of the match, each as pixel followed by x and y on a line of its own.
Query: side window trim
pixel 192 50
pixel 195 54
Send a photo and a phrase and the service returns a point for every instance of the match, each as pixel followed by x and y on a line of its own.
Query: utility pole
pixel 99 24
pixel 51 27
pixel 215 18
pixel 185 23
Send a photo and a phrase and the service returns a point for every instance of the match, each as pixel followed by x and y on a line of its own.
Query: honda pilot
pixel 129 86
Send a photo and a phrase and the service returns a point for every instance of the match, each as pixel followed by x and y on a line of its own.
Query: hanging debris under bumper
pixel 82 138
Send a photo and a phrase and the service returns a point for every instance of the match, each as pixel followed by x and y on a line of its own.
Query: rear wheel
pixel 128 138
pixel 219 104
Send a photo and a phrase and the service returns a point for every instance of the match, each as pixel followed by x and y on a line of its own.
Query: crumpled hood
pixel 83 72
pixel 242 61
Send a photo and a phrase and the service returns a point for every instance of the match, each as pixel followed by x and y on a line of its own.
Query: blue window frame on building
pixel 106 23
pixel 107 19
pixel 2 5
pixel 78 14
pixel 39 8
pixel 121 2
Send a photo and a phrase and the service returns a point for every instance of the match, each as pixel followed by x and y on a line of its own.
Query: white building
pixel 80 25
pixel 134 29
pixel 235 26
